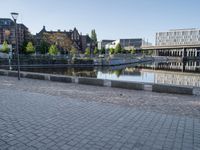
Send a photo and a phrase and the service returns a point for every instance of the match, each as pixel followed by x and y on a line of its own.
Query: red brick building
pixel 7 33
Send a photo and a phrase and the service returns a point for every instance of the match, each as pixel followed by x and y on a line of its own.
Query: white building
pixel 178 37
pixel 128 44
pixel 102 43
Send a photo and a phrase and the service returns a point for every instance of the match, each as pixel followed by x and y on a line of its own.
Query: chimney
pixel 44 28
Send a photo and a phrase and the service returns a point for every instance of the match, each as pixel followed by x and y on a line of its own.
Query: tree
pixel 53 50
pixel 5 48
pixel 87 51
pixel 94 36
pixel 150 52
pixel 96 50
pixel 111 51
pixel 145 52
pixel 23 47
pixel 30 48
pixel 73 51
pixel 123 51
pixel 118 48
pixel 118 72
pixel 44 46
pixel 133 51
pixel 59 39
pixel 103 50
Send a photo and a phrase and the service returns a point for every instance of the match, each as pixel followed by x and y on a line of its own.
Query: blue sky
pixel 112 19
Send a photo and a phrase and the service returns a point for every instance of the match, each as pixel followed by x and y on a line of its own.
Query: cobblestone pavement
pixel 48 115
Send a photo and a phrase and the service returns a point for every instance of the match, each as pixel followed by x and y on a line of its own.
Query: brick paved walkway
pixel 45 115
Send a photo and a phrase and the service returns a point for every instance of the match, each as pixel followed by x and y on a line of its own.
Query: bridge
pixel 183 51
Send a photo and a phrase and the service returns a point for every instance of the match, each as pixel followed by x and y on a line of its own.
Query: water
pixel 173 72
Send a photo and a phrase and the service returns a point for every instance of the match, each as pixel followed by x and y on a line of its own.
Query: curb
pixel 161 88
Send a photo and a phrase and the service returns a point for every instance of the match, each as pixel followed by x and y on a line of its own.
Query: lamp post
pixel 14 16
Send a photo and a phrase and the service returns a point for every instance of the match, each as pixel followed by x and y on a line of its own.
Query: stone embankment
pixel 107 83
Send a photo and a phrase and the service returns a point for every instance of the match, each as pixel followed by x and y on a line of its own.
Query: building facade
pixel 7 33
pixel 102 43
pixel 64 40
pixel 178 37
pixel 183 43
pixel 128 44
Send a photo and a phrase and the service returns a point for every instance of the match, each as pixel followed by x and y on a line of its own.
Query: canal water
pixel 169 72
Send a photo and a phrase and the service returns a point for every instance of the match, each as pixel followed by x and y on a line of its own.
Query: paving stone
pixel 44 115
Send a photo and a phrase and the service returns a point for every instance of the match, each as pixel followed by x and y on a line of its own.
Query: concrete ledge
pixel 162 88
pixel 12 74
pixel 172 89
pixel 3 73
pixel 61 79
pixel 35 76
pixel 91 81
pixel 127 85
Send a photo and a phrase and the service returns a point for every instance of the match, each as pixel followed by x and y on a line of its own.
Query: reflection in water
pixel 147 77
pixel 76 71
pixel 173 72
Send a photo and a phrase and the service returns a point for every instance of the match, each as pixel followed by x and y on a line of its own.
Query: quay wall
pixel 163 88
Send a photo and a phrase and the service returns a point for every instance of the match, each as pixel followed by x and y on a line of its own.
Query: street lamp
pixel 14 16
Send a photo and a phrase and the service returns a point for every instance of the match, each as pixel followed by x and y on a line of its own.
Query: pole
pixel 16 39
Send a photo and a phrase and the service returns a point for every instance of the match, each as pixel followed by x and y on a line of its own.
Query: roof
pixel 6 22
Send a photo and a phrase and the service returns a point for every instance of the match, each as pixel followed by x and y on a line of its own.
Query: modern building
pixel 7 32
pixel 65 40
pixel 102 43
pixel 178 37
pixel 183 43
pixel 128 44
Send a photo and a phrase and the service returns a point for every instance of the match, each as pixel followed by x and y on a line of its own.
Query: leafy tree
pixel 59 39
pixel 44 46
pixel 150 52
pixel 87 51
pixel 96 50
pixel 118 72
pixel 123 51
pixel 103 50
pixel 145 52
pixel 30 48
pixel 133 51
pixel 53 50
pixel 23 47
pixel 94 36
pixel 73 51
pixel 118 48
pixel 111 51
pixel 5 48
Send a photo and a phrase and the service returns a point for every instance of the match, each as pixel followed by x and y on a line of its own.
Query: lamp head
pixel 14 15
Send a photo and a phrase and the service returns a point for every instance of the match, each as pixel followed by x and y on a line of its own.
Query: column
pixel 195 52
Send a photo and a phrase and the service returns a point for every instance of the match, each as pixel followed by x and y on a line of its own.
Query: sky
pixel 112 19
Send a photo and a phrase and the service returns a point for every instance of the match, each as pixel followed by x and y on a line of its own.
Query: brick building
pixel 64 40
pixel 7 33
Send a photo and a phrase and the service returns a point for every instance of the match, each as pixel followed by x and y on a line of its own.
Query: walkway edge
pixel 107 83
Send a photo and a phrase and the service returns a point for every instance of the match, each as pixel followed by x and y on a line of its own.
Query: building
pixel 102 43
pixel 7 33
pixel 178 37
pixel 64 40
pixel 128 44
pixel 86 42
pixel 183 43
